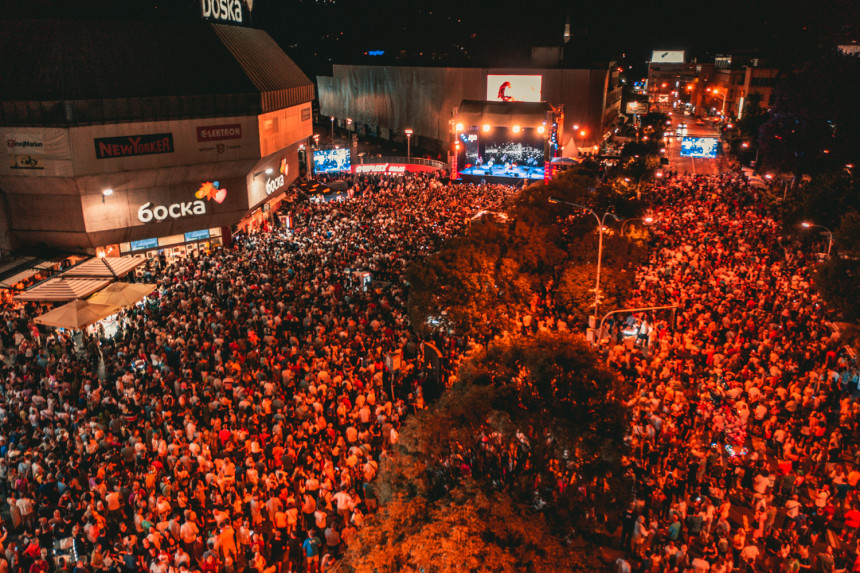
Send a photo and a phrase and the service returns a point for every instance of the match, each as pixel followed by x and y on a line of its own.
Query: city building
pixel 733 88
pixel 384 101
pixel 128 137
pixel 721 88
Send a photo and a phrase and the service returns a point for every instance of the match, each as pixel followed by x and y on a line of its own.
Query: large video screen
pixel 331 160
pixel 513 88
pixel 501 152
pixel 704 147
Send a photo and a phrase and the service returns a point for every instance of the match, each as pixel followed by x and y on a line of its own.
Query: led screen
pixel 501 152
pixel 705 147
pixel 144 244
pixel 331 160
pixel 513 88
pixel 197 235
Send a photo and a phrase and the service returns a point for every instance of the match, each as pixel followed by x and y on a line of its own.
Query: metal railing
pixel 373 159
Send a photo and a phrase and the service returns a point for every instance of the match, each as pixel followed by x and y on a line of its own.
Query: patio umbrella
pixel 122 294
pixel 76 314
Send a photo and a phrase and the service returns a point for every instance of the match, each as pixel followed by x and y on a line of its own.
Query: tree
pixel 823 199
pixel 483 279
pixel 838 278
pixel 543 401
pixel 813 123
pixel 470 530
pixel 526 447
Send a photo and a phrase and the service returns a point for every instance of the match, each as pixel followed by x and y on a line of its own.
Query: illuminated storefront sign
pixel 390 168
pixel 211 191
pixel 133 145
pixel 219 132
pixel 275 183
pixel 222 10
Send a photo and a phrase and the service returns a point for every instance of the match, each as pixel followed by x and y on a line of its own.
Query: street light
pixel 646 220
pixel 408 133
pixel 601 225
pixel 332 129
pixel 808 225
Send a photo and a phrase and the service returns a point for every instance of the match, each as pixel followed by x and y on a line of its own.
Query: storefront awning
pixel 21 268
pixel 105 267
pixel 76 314
pixel 122 294
pixel 63 288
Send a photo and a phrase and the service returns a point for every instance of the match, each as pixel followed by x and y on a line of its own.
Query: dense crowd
pixel 744 435
pixel 237 419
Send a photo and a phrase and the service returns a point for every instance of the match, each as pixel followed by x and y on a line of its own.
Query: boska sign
pixel 222 10
pixel 211 191
pixel 273 185
pixel 147 213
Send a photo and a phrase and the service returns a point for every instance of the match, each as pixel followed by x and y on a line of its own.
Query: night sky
pixel 455 32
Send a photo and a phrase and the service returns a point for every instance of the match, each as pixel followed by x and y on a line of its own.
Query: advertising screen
pixel 144 244
pixel 513 88
pixel 197 235
pixel 705 147
pixel 331 160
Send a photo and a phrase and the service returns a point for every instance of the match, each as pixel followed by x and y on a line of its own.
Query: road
pixel 690 164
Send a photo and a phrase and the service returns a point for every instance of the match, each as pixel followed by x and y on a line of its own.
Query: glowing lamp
pixel 516 129
pixel 459 127
pixel 541 129
pixel 486 127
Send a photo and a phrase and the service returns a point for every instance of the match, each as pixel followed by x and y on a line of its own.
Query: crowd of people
pixel 237 419
pixel 744 417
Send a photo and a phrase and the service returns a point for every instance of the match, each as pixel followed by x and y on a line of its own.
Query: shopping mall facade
pixel 124 137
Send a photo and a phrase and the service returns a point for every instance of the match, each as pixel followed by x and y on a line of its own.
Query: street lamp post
pixel 600 226
pixel 408 133
pixel 332 129
pixel 807 225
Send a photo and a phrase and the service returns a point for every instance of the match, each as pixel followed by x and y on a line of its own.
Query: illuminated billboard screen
pixel 667 56
pixel 501 152
pixel 704 147
pixel 331 160
pixel 513 88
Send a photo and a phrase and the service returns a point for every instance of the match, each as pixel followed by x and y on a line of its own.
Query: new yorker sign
pixel 132 145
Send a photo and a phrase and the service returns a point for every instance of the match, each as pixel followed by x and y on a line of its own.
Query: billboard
pixel 667 56
pixel 33 151
pixel 513 88
pixel 331 160
pixel 704 147
pixel 636 107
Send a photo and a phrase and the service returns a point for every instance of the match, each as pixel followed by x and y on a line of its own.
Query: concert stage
pixel 504 140
pixel 500 171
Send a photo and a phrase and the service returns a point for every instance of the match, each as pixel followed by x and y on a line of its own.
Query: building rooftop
pixel 69 72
